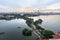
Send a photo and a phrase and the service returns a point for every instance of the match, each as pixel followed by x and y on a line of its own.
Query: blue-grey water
pixel 12 32
pixel 50 22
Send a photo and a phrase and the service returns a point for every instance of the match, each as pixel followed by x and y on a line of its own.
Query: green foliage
pixel 2 33
pixel 47 33
pixel 29 22
pixel 37 39
pixel 18 27
pixel 27 32
pixel 39 27
pixel 39 21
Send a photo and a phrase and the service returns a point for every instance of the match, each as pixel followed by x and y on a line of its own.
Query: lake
pixel 12 32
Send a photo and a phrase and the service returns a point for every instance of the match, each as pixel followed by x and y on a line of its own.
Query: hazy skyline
pixel 14 5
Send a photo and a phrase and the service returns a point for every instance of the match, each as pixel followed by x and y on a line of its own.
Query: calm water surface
pixel 12 32
pixel 50 22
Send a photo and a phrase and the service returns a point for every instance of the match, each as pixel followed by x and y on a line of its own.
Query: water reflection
pixel 27 32
pixel 13 29
pixel 13 26
pixel 19 27
pixel 51 22
pixel 2 35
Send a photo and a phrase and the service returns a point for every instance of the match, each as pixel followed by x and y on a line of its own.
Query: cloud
pixel 54 6
pixel 27 5
pixel 18 3
pixel 4 7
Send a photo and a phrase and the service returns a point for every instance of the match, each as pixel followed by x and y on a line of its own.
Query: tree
pixel 47 34
pixel 38 21
pixel 27 32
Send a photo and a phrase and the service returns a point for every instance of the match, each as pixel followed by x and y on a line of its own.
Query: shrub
pixel 48 34
pixel 27 32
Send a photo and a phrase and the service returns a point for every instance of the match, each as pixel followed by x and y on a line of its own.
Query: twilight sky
pixel 10 4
